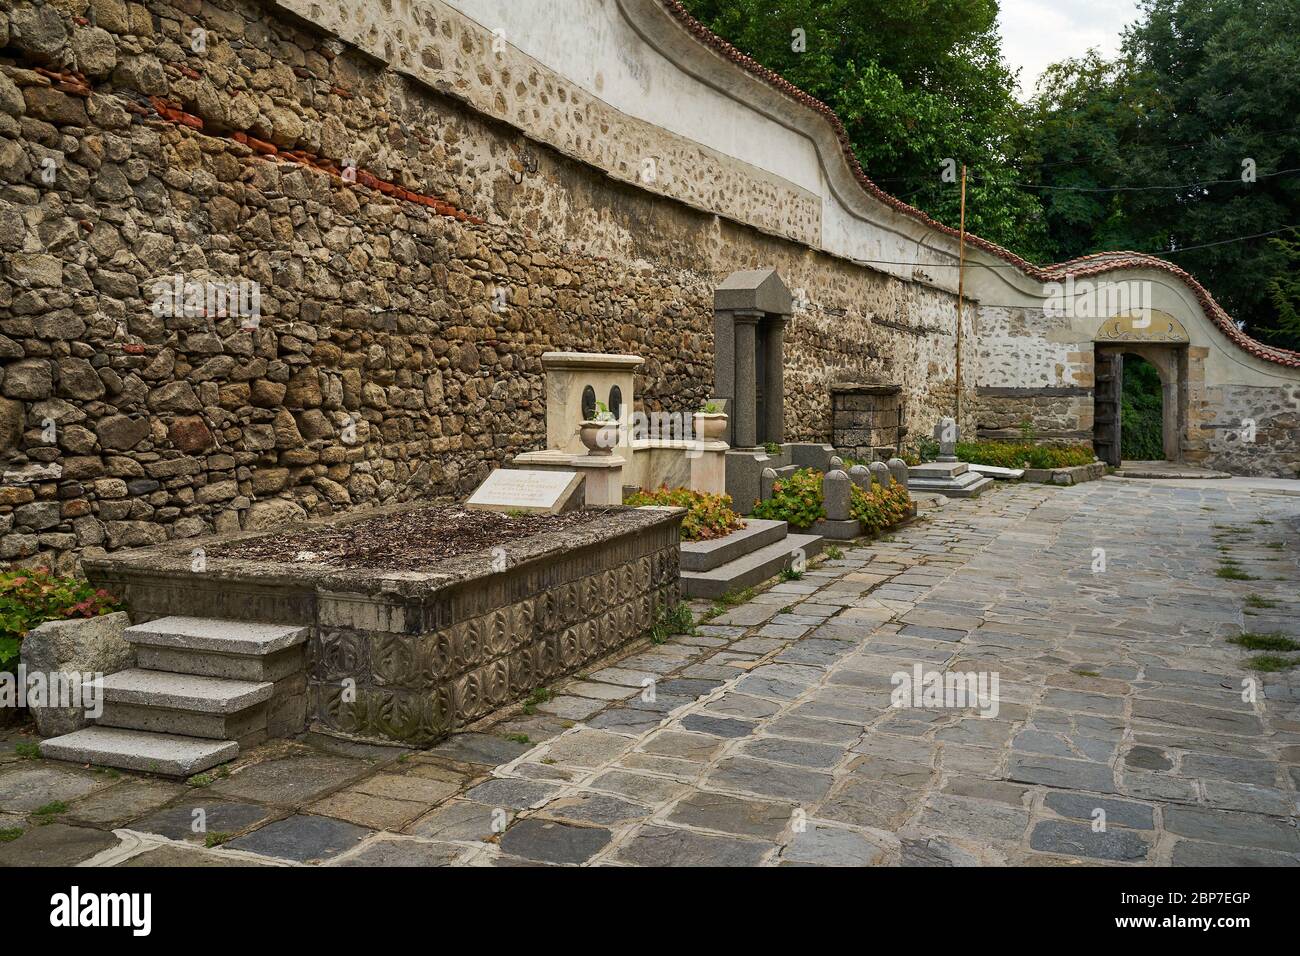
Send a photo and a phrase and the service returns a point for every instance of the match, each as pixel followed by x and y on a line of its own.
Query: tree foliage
pixel 1203 93
pixel 916 82
pixel 1204 98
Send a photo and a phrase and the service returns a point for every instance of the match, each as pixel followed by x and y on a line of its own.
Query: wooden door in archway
pixel 1108 391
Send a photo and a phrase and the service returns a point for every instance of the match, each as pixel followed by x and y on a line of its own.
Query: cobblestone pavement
pixel 769 737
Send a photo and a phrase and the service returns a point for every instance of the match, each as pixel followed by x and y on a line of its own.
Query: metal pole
pixel 961 285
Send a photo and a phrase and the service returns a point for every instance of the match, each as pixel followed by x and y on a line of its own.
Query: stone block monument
pixel 946 476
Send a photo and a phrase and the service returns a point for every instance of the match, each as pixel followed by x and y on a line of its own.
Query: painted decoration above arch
pixel 1151 326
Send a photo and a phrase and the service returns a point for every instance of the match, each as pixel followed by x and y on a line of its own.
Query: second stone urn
pixel 710 426
pixel 600 435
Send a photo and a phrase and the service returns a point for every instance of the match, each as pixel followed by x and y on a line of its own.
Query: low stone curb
pixel 1066 476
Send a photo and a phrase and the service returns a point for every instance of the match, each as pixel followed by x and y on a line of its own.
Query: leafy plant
pixel 707 516
pixel 676 619
pixel 879 507
pixel 603 414
pixel 772 448
pixel 796 499
pixel 540 695
pixel 833 552
pixel 711 408
pixel 30 598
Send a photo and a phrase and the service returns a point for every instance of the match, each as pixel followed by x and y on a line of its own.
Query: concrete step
pixel 166 754
pixel 207 647
pixel 242 638
pixel 749 569
pixel 707 555
pixel 247 727
pixel 270 667
pixel 183 692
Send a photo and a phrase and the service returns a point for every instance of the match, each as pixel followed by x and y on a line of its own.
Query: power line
pixel 1026 166
pixel 1117 189
pixel 1010 265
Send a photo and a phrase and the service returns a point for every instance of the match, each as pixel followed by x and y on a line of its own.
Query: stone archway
pixel 1160 339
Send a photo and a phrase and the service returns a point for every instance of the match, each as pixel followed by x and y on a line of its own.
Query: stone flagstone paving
pixel 769 738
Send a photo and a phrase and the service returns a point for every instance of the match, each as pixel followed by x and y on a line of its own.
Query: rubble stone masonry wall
pixel 413 257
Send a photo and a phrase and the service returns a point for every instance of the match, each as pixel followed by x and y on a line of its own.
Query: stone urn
pixel 599 435
pixel 710 426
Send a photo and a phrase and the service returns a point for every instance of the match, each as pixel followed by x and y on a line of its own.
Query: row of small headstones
pixel 837 484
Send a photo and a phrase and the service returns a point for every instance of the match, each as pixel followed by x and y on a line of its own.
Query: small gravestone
pixel 898 470
pixel 880 474
pixel 836 463
pixel 766 481
pixel 837 498
pixel 947 476
pixel 836 491
pixel 947 434
pixel 532 491
pixel 860 476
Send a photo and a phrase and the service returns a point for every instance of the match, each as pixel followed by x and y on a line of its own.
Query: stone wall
pixel 414 259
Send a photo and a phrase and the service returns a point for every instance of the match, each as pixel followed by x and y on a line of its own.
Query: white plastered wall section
pixel 638 86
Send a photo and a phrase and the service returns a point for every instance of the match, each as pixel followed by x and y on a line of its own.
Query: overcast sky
pixel 1037 33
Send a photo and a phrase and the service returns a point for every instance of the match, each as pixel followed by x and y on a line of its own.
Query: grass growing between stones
pixel 216 839
pixel 1265 642
pixel 47 813
pixel 27 751
pixel 1258 601
pixel 9 834
pixel 539 696
pixel 725 603
pixel 207 779
pixel 790 574
pixel 1270 663
pixel 1232 572
pixel 677 619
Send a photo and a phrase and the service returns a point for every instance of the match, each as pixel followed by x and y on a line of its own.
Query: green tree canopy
pixel 916 82
pixel 1204 105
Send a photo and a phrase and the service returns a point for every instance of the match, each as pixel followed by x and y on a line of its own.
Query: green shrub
pixel 707 516
pixel 878 507
pixel 1024 454
pixel 30 598
pixel 797 500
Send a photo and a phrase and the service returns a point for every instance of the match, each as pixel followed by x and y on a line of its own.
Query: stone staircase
pixel 760 550
pixel 202 689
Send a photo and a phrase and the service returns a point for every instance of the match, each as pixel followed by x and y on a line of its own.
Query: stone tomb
pixel 413 655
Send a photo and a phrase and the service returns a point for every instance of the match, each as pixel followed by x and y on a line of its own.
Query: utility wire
pixel 1009 265
pixel 1118 189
